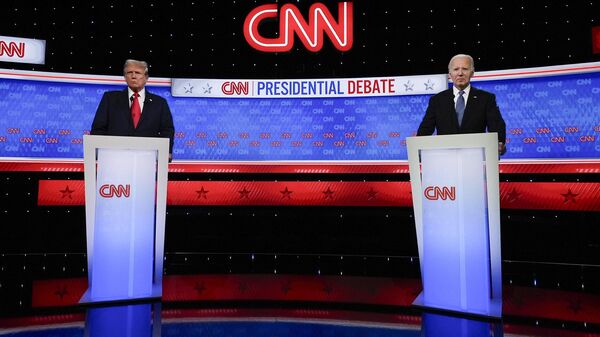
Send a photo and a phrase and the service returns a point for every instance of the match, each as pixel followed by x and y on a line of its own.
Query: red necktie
pixel 136 112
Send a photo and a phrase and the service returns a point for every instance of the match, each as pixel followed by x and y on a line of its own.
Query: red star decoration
pixel 516 298
pixel 513 195
pixel 371 194
pixel 244 193
pixel 328 193
pixel 242 287
pixel 285 288
pixel 61 291
pixel 67 192
pixel 327 288
pixel 575 305
pixel 199 287
pixel 286 193
pixel 569 196
pixel 202 193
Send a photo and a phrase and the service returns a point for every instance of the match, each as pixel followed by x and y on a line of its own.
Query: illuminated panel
pixel 306 167
pixel 548 117
pixel 520 301
pixel 565 196
pixel 245 193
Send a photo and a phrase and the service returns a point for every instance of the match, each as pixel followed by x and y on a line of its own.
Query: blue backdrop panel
pixel 546 117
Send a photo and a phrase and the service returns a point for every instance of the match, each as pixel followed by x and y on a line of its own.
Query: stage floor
pixel 241 320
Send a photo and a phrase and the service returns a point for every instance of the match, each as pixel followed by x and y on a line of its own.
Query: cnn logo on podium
pixel 115 191
pixel 440 193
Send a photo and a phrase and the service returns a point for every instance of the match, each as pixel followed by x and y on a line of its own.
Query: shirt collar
pixel 142 94
pixel 455 90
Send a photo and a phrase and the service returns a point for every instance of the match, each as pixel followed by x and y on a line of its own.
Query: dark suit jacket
pixel 481 114
pixel 113 117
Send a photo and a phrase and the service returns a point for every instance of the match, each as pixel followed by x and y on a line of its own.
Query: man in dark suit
pixel 463 108
pixel 134 111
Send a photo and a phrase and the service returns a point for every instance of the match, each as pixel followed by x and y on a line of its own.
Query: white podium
pixel 125 200
pixel 455 190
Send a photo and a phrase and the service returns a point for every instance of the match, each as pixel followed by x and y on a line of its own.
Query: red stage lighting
pixel 596 40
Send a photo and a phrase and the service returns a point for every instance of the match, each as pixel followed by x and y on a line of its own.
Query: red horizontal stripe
pixel 242 193
pixel 568 196
pixel 399 167
pixel 290 288
pixel 57 292
pixel 286 193
pixel 61 193
pixel 550 167
pixel 198 314
pixel 76 78
pixel 517 301
pixel 66 292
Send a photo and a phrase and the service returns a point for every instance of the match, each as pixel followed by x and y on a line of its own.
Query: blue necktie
pixel 460 106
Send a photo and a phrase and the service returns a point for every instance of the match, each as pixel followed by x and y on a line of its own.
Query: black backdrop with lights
pixel 204 39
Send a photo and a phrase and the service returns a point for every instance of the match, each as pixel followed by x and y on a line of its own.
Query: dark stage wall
pixel 204 39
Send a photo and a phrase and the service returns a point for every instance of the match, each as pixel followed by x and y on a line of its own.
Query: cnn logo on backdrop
pixel 291 22
pixel 16 49
pixel 115 191
pixel 440 193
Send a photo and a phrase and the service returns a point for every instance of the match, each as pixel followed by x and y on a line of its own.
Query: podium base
pixel 494 312
pixel 87 300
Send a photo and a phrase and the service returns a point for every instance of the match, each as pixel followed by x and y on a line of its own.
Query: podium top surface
pixel 131 143
pixel 458 141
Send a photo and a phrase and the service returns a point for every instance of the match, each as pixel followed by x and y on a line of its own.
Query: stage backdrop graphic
pixel 550 113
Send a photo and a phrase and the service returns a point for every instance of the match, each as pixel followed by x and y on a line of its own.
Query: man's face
pixel 461 71
pixel 135 77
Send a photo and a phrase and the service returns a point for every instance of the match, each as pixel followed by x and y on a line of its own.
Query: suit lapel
pixel 147 108
pixel 124 102
pixel 472 102
pixel 452 108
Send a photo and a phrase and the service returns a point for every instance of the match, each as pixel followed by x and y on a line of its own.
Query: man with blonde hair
pixel 134 111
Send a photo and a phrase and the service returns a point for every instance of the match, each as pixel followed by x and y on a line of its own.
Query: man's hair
pixel 462 56
pixel 142 64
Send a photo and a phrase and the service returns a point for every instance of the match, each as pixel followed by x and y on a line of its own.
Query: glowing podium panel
pixel 455 190
pixel 125 200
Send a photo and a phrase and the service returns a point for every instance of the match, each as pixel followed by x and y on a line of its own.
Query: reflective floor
pixel 152 319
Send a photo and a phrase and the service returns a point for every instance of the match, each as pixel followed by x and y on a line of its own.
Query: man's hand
pixel 501 148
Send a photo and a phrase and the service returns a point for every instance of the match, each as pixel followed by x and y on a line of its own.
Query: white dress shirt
pixel 465 95
pixel 141 98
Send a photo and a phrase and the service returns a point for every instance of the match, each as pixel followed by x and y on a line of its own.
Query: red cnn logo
pixel 291 22
pixel 237 88
pixel 437 193
pixel 110 190
pixel 12 48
